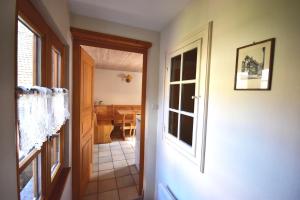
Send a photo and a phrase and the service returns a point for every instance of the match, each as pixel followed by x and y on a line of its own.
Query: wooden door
pixel 86 118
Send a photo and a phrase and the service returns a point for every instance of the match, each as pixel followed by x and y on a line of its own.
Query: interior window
pixel 182 94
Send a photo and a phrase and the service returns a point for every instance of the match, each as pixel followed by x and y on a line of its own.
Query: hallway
pixel 114 175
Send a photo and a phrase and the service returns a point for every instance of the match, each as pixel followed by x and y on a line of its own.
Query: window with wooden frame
pixel 56 141
pixel 40 61
pixel 28 74
pixel 29 55
pixel 56 67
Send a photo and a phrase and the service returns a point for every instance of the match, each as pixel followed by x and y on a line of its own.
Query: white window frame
pixel 201 39
pixel 191 150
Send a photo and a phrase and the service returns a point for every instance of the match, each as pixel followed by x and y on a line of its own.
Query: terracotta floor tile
pixel 131 161
pixel 105 159
pixel 116 152
pixel 118 157
pixel 122 171
pixel 105 166
pixel 91 197
pixel 136 178
pixel 104 153
pixel 125 181
pixel 91 188
pixel 106 174
pixel 129 155
pixel 128 193
pixel 121 163
pixel 133 169
pixel 109 195
pixel 95 167
pixel 107 185
pixel 94 176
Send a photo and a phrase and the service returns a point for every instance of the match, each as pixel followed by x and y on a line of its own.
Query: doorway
pixel 83 102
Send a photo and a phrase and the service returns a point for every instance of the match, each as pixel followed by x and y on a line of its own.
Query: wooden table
pixel 128 112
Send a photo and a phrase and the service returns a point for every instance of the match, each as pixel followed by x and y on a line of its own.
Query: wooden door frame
pixel 90 38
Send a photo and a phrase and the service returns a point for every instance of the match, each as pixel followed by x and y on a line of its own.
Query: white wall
pixel 152 85
pixel 8 180
pixel 111 88
pixel 256 159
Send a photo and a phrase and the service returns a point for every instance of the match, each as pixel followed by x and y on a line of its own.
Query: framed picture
pixel 254 65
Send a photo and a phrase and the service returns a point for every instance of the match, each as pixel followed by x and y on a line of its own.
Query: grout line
pixel 98 174
pixel 115 177
pixel 116 180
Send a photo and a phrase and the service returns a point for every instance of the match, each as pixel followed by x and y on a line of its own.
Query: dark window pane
pixel 187 103
pixel 189 65
pixel 173 123
pixel 175 68
pixel 174 96
pixel 186 129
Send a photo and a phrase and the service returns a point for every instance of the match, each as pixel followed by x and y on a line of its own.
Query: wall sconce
pixel 128 78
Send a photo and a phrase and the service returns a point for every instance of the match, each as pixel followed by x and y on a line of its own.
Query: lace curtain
pixel 41 113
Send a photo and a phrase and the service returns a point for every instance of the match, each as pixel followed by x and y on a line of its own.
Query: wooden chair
pixel 128 123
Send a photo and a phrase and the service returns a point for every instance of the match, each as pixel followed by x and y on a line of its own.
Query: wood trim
pixel 143 114
pixel 24 163
pixel 52 181
pixel 60 184
pixel 76 121
pixel 90 38
pixel 96 39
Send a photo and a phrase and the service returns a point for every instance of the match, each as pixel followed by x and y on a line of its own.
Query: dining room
pixel 117 97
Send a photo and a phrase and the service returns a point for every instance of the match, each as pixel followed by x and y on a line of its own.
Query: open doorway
pixel 117 98
pixel 108 128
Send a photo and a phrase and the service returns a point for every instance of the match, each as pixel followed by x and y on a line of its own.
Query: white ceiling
pixel 147 14
pixel 115 60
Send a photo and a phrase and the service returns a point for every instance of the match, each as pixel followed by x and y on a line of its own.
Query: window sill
pixel 60 185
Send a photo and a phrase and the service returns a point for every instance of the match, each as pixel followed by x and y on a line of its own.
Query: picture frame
pixel 254 66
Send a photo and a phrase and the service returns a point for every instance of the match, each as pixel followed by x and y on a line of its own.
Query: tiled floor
pixel 114 175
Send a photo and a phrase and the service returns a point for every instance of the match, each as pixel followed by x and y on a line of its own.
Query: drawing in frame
pixel 254 66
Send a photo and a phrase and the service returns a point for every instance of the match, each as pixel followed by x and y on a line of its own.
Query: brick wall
pixel 25 55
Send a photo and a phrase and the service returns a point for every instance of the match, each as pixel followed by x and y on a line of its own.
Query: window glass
pixel 187 97
pixel 174 96
pixel 181 110
pixel 173 123
pixel 30 180
pixel 56 68
pixel 189 65
pixel 55 154
pixel 28 52
pixel 175 68
pixel 186 129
